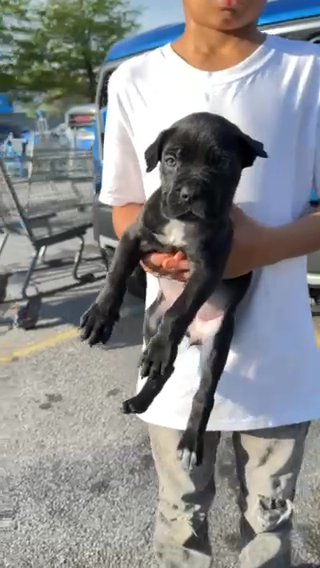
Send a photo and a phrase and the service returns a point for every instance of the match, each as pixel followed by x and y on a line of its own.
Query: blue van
pixel 294 19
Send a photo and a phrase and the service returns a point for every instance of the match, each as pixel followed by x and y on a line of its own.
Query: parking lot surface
pixel 77 482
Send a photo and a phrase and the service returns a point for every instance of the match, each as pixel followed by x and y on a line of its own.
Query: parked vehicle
pixel 5 104
pixel 294 19
pixel 80 126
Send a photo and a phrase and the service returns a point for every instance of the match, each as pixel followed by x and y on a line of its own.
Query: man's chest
pixel 274 106
pixel 281 116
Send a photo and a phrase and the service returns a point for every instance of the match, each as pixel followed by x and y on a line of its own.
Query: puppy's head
pixel 201 159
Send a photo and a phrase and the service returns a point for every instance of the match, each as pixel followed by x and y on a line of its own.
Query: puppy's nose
pixel 186 194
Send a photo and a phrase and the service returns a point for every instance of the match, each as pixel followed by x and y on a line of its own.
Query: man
pixel 270 389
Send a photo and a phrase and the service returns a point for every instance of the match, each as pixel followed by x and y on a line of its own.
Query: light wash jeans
pixel 268 464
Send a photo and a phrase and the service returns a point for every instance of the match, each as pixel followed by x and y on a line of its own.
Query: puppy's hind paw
pixel 190 450
pixel 128 407
pixel 188 459
pixel 134 405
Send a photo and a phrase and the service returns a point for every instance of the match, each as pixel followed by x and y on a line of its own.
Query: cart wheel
pixel 87 278
pixel 28 313
pixel 3 286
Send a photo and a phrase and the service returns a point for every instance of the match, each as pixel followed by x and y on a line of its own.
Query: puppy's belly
pixel 208 318
pixel 200 329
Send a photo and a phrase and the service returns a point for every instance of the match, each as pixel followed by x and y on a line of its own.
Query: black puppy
pixel 202 157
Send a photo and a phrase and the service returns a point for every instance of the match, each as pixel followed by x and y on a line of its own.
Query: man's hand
pixel 244 256
pixel 174 266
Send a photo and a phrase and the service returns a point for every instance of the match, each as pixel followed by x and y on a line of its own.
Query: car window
pixel 103 94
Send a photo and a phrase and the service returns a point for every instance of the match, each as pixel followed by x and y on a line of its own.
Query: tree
pixel 68 43
pixel 13 26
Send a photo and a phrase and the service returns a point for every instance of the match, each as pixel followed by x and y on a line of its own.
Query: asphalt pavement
pixel 77 483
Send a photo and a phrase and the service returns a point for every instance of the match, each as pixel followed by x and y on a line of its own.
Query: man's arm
pixel 254 246
pixel 302 237
pixel 123 217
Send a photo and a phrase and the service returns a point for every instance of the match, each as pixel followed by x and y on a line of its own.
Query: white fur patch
pixel 174 234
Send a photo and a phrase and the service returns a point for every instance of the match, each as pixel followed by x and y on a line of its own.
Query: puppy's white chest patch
pixel 174 234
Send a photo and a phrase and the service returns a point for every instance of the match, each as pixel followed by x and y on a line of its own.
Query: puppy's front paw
pixel 158 358
pixel 97 325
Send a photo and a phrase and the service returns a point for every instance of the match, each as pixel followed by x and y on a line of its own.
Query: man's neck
pixel 211 50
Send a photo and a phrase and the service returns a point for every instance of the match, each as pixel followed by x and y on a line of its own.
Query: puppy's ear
pixel 152 154
pixel 251 149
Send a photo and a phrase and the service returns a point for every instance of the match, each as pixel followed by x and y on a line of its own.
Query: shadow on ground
pixel 67 309
pixel 65 306
pixel 127 332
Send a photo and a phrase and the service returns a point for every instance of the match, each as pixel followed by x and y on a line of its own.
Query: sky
pixel 159 12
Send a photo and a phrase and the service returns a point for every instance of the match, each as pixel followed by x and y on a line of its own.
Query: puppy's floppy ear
pixel 152 154
pixel 251 149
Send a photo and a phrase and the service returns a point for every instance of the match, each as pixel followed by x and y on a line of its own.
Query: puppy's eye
pixel 170 161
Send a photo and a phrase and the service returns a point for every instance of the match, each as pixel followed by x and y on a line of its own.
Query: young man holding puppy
pixel 270 391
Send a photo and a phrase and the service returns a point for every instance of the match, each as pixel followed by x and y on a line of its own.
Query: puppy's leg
pixel 153 317
pixel 190 449
pixel 98 321
pixel 154 313
pixel 141 402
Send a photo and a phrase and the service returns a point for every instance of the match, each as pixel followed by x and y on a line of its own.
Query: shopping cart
pixel 51 205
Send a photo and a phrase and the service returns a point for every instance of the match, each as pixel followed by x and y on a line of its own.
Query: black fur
pixel 201 160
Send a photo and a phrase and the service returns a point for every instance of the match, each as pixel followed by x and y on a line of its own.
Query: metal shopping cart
pixel 51 205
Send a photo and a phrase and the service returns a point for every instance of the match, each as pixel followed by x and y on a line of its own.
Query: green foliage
pixel 13 27
pixel 57 47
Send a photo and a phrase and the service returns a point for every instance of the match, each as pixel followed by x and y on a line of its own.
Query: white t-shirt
pixel 272 375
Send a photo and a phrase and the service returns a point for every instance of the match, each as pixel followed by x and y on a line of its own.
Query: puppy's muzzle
pixel 187 195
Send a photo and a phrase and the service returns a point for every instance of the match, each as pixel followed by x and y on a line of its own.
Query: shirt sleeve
pixel 122 181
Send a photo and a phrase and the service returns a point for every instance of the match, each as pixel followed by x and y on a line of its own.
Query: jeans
pixel 268 463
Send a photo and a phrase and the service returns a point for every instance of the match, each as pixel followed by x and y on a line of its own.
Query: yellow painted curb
pixel 63 337
pixel 52 341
